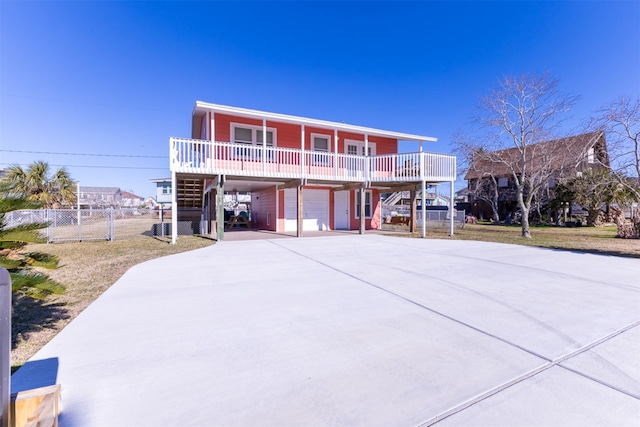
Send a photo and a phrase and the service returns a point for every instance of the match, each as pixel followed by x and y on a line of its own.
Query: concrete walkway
pixel 355 331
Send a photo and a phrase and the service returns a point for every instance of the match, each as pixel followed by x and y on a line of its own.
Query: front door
pixel 341 210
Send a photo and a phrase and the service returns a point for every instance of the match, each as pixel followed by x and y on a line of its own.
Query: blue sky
pixel 117 79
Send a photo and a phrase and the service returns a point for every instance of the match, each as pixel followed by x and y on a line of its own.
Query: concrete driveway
pixel 355 331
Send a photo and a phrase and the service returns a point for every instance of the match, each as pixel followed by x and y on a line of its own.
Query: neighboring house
pixel 563 158
pixel 100 197
pixel 130 200
pixel 164 194
pixel 303 174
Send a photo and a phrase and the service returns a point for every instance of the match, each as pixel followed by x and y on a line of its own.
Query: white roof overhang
pixel 203 107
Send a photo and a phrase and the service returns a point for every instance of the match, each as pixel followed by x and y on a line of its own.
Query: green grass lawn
pixel 601 240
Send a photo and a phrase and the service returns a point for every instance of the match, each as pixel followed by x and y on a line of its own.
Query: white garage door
pixel 315 212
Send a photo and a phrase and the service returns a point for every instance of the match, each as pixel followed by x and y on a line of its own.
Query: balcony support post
pixel 362 195
pixel 451 208
pixel 414 210
pixel 174 208
pixel 220 208
pixel 300 210
pixel 424 208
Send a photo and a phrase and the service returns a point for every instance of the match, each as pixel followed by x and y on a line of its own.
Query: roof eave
pixel 201 107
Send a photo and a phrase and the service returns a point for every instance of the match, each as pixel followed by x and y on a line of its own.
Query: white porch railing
pixel 224 158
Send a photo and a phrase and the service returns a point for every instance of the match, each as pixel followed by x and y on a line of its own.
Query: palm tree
pixel 24 279
pixel 36 184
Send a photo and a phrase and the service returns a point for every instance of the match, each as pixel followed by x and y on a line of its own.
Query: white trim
pixel 212 127
pixel 201 107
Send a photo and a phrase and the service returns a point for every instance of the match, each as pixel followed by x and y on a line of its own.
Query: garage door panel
pixel 315 211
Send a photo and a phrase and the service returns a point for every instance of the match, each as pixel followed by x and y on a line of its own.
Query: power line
pixel 94 166
pixel 93 103
pixel 85 154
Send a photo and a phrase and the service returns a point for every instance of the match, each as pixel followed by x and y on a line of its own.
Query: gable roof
pixel 556 155
pixel 128 195
pixel 203 107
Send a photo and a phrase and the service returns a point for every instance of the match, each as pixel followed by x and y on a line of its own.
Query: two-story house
pixel 550 161
pixel 303 174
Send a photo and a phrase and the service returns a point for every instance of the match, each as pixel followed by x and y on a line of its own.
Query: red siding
pixel 288 135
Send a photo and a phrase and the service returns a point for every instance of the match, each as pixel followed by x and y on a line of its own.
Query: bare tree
pixel 521 117
pixel 620 119
pixel 482 184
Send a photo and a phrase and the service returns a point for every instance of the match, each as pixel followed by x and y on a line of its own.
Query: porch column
pixel 424 208
pixel 174 208
pixel 301 151
pixel 300 210
pixel 220 208
pixel 212 127
pixel 264 147
pixel 367 167
pixel 362 210
pixel 413 195
pixel 451 209
pixel 335 152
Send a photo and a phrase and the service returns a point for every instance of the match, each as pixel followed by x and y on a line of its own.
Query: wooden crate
pixel 36 407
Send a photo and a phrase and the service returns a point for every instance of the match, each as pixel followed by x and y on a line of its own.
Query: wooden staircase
pixel 190 192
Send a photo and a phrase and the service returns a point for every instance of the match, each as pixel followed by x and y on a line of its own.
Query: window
pixel 591 155
pixel 367 204
pixel 243 135
pixel 252 135
pixel 321 143
pixel 503 182
pixel 357 147
pixel 166 189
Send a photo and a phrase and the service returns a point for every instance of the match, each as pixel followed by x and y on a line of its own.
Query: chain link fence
pixel 67 225
pixel 439 218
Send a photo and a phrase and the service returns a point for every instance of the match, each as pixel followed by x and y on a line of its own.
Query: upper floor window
pixel 254 136
pixel 503 182
pixel 321 143
pixel 358 148
pixel 591 155
pixel 247 134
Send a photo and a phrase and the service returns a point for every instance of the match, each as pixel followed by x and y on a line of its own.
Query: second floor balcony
pixel 259 161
